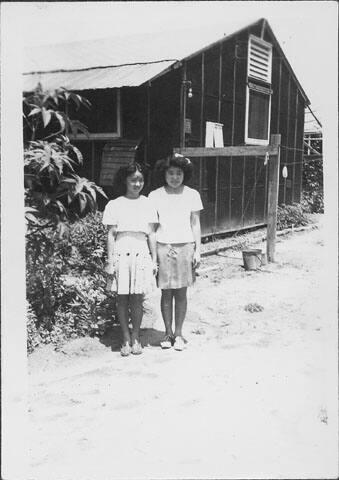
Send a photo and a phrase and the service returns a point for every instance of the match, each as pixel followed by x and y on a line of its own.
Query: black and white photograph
pixel 169 257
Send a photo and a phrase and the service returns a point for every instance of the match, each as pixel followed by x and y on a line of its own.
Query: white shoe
pixel 179 343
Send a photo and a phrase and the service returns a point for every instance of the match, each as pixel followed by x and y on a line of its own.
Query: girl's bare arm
pixel 195 224
pixel 111 235
pixel 152 245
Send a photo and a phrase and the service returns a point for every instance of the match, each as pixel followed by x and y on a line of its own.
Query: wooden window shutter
pixel 259 59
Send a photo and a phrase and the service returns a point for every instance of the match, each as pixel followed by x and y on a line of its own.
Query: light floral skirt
pixel 175 265
pixel 133 267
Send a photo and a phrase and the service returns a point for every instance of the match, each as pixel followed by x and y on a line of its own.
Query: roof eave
pixel 204 49
pixel 281 52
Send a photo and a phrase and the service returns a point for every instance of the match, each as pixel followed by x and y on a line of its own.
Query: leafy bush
pixel 66 280
pixel 289 215
pixel 313 191
pixel 313 201
pixel 33 336
pixel 59 246
pixel 53 190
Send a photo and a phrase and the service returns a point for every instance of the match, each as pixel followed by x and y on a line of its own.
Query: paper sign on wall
pixel 214 135
pixel 188 125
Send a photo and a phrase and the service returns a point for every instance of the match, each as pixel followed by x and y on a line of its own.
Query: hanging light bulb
pixel 285 172
pixel 190 93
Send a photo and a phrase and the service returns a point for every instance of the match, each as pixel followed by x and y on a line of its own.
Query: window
pixel 258 92
pixel 103 118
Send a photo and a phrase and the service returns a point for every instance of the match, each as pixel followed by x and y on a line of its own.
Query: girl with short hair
pixel 131 251
pixel 178 242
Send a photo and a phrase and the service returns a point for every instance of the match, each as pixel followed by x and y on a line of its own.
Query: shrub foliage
pixel 291 215
pixel 66 280
pixel 64 238
pixel 313 190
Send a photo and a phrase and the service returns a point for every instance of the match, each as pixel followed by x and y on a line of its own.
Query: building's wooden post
pixel 93 161
pixel 232 132
pixel 273 191
pixel 286 156
pixel 183 96
pixel 148 116
pixel 295 143
pixel 217 159
pixel 202 129
pixel 202 101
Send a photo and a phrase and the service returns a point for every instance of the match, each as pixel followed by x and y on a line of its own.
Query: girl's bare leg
pixel 180 298
pixel 167 309
pixel 122 309
pixel 135 304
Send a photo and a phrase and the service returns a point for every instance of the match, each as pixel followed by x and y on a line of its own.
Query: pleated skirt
pixel 175 262
pixel 133 265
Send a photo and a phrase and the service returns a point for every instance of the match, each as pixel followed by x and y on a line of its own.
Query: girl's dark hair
pixel 119 182
pixel 175 160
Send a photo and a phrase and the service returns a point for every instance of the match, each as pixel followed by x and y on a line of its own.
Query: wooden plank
pixel 232 130
pixel 112 168
pixel 243 192
pixel 217 183
pixel 248 150
pixel 266 192
pixel 92 161
pixel 287 129
pixel 279 95
pixel 219 85
pixel 148 124
pixel 233 90
pixel 120 153
pixel 202 100
pixel 312 157
pixel 230 193
pixel 183 98
pixel 295 142
pixel 216 193
pixel 273 191
pixel 255 187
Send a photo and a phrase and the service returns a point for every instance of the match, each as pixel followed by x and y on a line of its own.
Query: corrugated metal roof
pixel 122 50
pixel 111 62
pixel 107 77
pixel 119 56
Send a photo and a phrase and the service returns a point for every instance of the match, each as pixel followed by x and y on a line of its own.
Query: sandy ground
pixel 252 396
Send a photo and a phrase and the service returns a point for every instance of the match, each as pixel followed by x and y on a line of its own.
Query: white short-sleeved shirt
pixel 174 213
pixel 130 215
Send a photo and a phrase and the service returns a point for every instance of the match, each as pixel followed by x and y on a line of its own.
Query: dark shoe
pixel 166 342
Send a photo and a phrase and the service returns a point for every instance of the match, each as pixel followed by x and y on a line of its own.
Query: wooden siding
pixel 218 78
pixel 164 115
pixel 249 191
pixel 133 112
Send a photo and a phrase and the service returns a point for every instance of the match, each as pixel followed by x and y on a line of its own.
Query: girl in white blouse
pixel 178 242
pixel 131 251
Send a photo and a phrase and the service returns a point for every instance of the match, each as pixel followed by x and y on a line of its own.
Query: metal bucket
pixel 252 258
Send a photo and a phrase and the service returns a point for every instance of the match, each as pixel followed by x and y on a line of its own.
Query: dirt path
pixel 253 395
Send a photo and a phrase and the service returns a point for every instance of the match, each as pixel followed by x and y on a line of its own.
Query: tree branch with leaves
pixel 54 193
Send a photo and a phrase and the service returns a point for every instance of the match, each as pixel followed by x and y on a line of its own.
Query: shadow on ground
pixel 148 336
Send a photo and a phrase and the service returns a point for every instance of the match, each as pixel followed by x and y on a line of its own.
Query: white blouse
pixel 130 215
pixel 174 213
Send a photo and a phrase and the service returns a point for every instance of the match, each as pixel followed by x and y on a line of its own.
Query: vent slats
pixel 259 59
